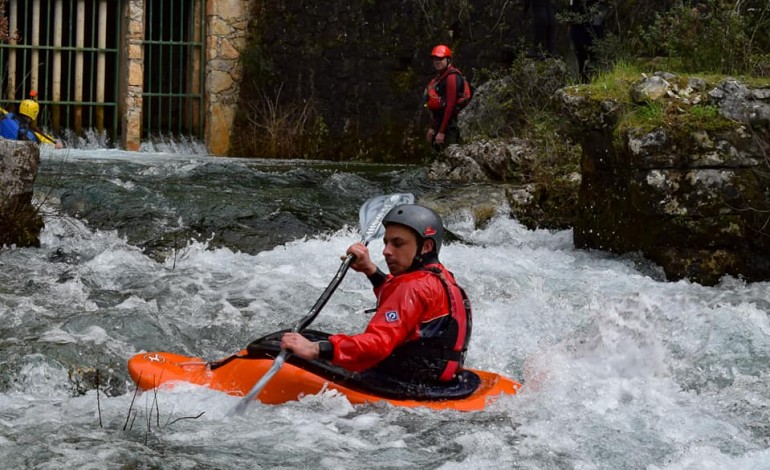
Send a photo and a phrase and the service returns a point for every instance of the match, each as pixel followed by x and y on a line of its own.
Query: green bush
pixel 512 101
pixel 719 36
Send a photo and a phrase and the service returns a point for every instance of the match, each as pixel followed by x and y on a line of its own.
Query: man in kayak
pixel 21 125
pixel 18 126
pixel 422 325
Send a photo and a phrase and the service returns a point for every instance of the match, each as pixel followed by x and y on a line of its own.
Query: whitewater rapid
pixel 620 368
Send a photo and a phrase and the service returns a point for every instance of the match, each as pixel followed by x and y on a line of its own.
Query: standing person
pixel 422 325
pixel 19 126
pixel 445 96
pixel 543 28
pixel 587 27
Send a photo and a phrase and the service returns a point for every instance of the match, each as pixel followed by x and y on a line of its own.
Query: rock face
pixel 690 192
pixel 20 222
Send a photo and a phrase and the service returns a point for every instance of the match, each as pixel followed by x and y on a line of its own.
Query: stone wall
pixel 227 30
pixel 227 27
pixel 363 66
pixel 132 83
pixel 690 191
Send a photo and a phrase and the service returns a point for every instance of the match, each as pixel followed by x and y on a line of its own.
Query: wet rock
pixel 505 166
pixel 482 160
pixel 20 222
pixel 690 193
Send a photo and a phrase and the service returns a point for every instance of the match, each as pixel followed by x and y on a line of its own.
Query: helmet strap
pixel 422 259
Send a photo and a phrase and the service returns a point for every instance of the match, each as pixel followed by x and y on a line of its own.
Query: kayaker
pixel 18 126
pixel 446 94
pixel 21 125
pixel 422 325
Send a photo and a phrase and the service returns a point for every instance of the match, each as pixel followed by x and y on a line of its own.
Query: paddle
pixel 370 220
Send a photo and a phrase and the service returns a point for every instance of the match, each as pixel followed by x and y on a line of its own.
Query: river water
pixel 196 255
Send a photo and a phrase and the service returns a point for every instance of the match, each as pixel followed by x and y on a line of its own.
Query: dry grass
pixel 278 128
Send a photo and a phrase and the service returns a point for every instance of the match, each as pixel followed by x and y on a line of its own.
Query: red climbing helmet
pixel 441 51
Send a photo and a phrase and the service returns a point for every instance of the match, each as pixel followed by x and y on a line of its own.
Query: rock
pixel 20 222
pixel 650 89
pixel 482 160
pixel 736 101
pixel 690 193
pixel 480 202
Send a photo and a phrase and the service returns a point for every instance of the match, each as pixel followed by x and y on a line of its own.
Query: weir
pixel 131 70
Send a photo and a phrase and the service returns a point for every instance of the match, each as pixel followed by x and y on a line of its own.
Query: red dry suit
pixel 420 331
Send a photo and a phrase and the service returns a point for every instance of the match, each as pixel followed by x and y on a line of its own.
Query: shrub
pixel 513 100
pixel 719 36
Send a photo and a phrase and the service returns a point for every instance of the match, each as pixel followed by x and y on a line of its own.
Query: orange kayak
pixel 237 374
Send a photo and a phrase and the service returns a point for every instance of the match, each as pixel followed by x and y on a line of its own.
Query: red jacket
pixel 407 308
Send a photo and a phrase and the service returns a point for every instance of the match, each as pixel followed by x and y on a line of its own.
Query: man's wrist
pixel 377 278
pixel 325 350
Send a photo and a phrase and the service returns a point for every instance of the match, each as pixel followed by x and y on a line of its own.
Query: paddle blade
pixel 375 209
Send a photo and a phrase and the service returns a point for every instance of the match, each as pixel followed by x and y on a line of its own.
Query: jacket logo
pixel 391 316
pixel 429 231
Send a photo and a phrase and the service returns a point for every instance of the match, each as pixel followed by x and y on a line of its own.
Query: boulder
pixel 690 191
pixel 20 220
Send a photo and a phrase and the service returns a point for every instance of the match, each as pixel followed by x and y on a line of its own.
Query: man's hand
pixel 361 261
pixel 300 346
pixel 439 138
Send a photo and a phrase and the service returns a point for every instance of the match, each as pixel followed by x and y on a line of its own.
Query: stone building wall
pixel 132 83
pixel 226 29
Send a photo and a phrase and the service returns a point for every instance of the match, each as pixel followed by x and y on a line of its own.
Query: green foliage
pixel 533 84
pixel 511 101
pixel 679 116
pixel 720 36
pixel 518 103
pixel 615 83
pixel 649 113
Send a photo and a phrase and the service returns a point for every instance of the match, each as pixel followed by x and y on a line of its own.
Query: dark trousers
pixel 451 136
pixel 585 33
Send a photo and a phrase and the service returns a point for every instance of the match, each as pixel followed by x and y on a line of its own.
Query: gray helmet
pixel 422 220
